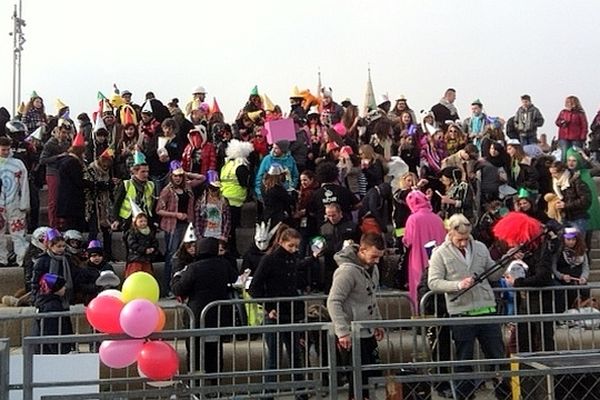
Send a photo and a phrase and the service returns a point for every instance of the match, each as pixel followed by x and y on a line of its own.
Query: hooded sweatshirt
pixel 422 226
pixel 353 294
pixel 286 161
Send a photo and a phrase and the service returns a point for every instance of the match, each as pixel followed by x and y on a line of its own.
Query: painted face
pixel 572 162
pixel 291 245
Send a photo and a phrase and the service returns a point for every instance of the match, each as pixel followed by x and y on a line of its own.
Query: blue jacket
pixel 286 161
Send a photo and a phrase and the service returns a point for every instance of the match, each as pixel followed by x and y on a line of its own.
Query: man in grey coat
pixel 352 297
pixel 527 120
pixel 452 267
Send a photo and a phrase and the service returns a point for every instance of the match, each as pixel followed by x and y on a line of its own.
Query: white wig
pixel 238 149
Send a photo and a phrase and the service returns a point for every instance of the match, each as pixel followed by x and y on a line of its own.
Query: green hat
pixel 34 95
pixel 477 102
pixel 100 96
pixel 254 91
pixel 524 194
pixel 571 152
pixel 139 158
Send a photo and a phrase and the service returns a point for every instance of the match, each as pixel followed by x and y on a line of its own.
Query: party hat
pixel 139 158
pixel 53 234
pixel 147 108
pixel 116 100
pixel 34 95
pixel 99 123
pixel 108 153
pixel 295 93
pixel 59 105
pixel 523 193
pixel 94 244
pixel 106 107
pixel 190 234
pixel 267 103
pixel 100 96
pixel 255 115
pixel 176 167
pixel 215 106
pixel 79 140
pixel 38 133
pixel 135 209
pixel 127 115
pixel 254 91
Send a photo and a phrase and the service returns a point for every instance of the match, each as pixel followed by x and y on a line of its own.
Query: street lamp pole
pixel 18 41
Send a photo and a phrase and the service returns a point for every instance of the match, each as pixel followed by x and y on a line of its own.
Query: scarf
pixel 451 107
pixel 572 259
pixel 59 265
pixel 476 124
pixel 561 184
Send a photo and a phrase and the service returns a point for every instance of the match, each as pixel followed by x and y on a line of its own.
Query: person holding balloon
pixel 95 275
pixel 202 282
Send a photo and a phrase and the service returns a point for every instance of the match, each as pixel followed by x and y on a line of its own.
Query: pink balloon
pixel 158 361
pixel 120 353
pixel 139 318
pixel 103 313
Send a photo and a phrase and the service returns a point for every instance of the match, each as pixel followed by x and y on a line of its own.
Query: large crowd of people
pixel 390 172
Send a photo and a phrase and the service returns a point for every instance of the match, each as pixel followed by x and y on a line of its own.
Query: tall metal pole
pixel 18 41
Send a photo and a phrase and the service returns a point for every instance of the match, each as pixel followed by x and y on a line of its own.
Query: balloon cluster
pixel 134 311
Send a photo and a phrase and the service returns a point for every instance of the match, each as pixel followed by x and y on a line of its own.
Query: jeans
pixel 294 350
pixel 566 144
pixel 489 337
pixel 173 241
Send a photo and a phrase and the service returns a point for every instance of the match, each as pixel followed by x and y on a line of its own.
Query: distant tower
pixel 370 102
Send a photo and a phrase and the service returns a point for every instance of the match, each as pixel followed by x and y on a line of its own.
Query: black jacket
pixel 85 281
pixel 137 243
pixel 202 282
pixel 577 198
pixel 278 275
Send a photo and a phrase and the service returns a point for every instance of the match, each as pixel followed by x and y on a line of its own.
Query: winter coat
pixel 199 155
pixel 278 275
pixel 71 195
pixel 48 303
pixel 448 267
pixel 278 205
pixel 422 226
pixel 376 204
pixel 85 281
pixel 353 294
pixel 52 152
pixel 572 125
pixel 137 243
pixel 577 198
pixel 202 282
pixel 286 161
pixel 527 120
pixel 526 177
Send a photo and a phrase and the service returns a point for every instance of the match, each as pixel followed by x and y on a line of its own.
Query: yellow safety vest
pixel 230 187
pixel 130 193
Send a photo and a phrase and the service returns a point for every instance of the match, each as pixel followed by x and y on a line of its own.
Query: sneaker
pixel 10 301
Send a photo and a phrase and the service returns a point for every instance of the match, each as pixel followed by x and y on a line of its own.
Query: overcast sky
pixel 487 49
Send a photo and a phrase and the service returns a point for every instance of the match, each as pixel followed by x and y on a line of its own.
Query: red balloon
pixel 158 361
pixel 103 314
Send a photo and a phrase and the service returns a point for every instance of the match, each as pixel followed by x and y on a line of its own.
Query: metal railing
pixel 547 375
pixel 4 368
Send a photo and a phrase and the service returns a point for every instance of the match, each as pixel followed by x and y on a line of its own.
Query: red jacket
pixel 208 154
pixel 572 125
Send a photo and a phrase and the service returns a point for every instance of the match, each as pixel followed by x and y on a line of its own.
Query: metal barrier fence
pixel 4 368
pixel 538 375
pixel 237 361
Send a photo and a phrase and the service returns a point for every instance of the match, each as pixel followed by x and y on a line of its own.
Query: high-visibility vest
pixel 130 193
pixel 230 186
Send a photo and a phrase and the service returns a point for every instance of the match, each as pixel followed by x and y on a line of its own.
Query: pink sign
pixel 281 129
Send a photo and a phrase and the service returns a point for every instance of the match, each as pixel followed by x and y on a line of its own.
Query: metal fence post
pixel 332 356
pixel 4 367
pixel 356 360
pixel 27 370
